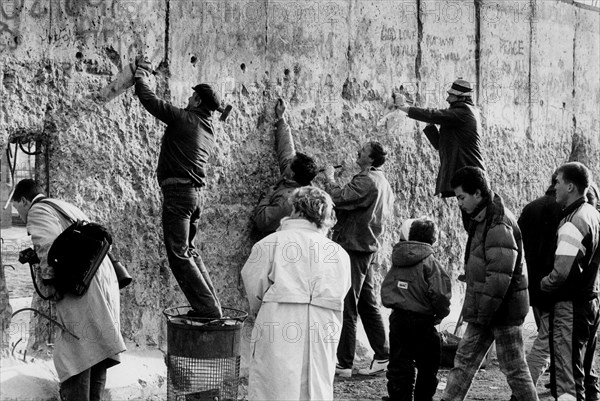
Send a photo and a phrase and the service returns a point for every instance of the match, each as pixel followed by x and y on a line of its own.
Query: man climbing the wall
pixel 458 139
pixel 297 170
pixel 186 145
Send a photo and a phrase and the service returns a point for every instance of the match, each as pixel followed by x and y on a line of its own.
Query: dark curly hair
pixel 378 154
pixel 472 179
pixel 304 168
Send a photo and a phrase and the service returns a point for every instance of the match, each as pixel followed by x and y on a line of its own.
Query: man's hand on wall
pixel 144 68
pixel 280 108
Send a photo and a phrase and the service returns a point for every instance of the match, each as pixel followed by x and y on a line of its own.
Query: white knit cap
pixel 405 229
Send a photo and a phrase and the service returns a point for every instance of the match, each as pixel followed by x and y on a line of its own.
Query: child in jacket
pixel 418 290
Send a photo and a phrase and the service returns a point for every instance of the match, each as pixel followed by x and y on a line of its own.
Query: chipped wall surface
pixel 336 62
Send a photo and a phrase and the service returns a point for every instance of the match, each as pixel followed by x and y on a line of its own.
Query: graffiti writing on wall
pixel 97 23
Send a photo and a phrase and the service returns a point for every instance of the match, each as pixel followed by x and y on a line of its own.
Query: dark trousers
pixel 361 300
pixel 85 386
pixel 572 340
pixel 415 345
pixel 180 215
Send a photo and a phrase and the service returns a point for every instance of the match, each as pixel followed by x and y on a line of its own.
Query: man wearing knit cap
pixel 185 147
pixel 458 140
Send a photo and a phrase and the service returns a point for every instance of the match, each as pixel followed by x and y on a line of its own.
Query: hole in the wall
pixel 8 80
pixel 243 67
pixel 193 59
pixel 286 72
pixel 564 105
pixel 79 55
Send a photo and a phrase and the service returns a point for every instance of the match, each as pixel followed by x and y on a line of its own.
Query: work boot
pixel 342 371
pixel 377 366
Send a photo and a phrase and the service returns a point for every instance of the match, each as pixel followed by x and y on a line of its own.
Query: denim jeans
pixel 180 216
pixel 538 358
pixel 85 386
pixel 361 300
pixel 473 347
pixel 415 351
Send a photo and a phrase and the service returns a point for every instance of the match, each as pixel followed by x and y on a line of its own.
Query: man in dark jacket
pixel 538 223
pixel 362 207
pixel 496 299
pixel 458 140
pixel 419 291
pixel 573 284
pixel 297 170
pixel 186 145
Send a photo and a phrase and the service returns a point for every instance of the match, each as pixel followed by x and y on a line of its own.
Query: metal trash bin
pixel 203 355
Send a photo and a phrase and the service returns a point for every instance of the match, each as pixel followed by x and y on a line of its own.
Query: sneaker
pixel 342 372
pixel 377 366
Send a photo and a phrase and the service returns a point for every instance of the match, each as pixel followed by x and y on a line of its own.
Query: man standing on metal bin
pixel 186 145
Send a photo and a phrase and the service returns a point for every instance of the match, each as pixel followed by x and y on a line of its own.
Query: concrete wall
pixel 336 62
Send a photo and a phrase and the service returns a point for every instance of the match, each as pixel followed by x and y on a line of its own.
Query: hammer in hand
pixel 224 112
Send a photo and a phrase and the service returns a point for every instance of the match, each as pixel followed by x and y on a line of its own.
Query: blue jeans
pixel 180 215
pixel 361 300
pixel 85 386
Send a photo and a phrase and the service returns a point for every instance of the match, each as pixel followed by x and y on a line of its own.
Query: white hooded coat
pixel 297 279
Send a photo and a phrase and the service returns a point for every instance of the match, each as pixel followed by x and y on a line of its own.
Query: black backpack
pixel 77 253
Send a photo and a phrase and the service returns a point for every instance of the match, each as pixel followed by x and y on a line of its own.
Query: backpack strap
pixel 57 208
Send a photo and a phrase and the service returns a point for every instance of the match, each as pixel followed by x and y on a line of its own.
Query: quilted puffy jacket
pixel 496 286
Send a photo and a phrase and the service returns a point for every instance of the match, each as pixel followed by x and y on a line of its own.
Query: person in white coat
pixel 296 279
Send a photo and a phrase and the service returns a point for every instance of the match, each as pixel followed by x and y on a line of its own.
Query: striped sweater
pixel 575 273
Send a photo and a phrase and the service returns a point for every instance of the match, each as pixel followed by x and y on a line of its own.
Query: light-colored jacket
pixel 95 316
pixel 297 279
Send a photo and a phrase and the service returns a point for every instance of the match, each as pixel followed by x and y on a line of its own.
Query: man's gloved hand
pixel 330 174
pixel 144 68
pixel 280 108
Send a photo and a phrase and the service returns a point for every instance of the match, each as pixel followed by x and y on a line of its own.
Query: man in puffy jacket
pixel 418 290
pixel 496 298
pixel 573 285
pixel 458 139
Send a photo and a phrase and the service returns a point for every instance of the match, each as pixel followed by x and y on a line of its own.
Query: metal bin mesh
pixel 203 357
